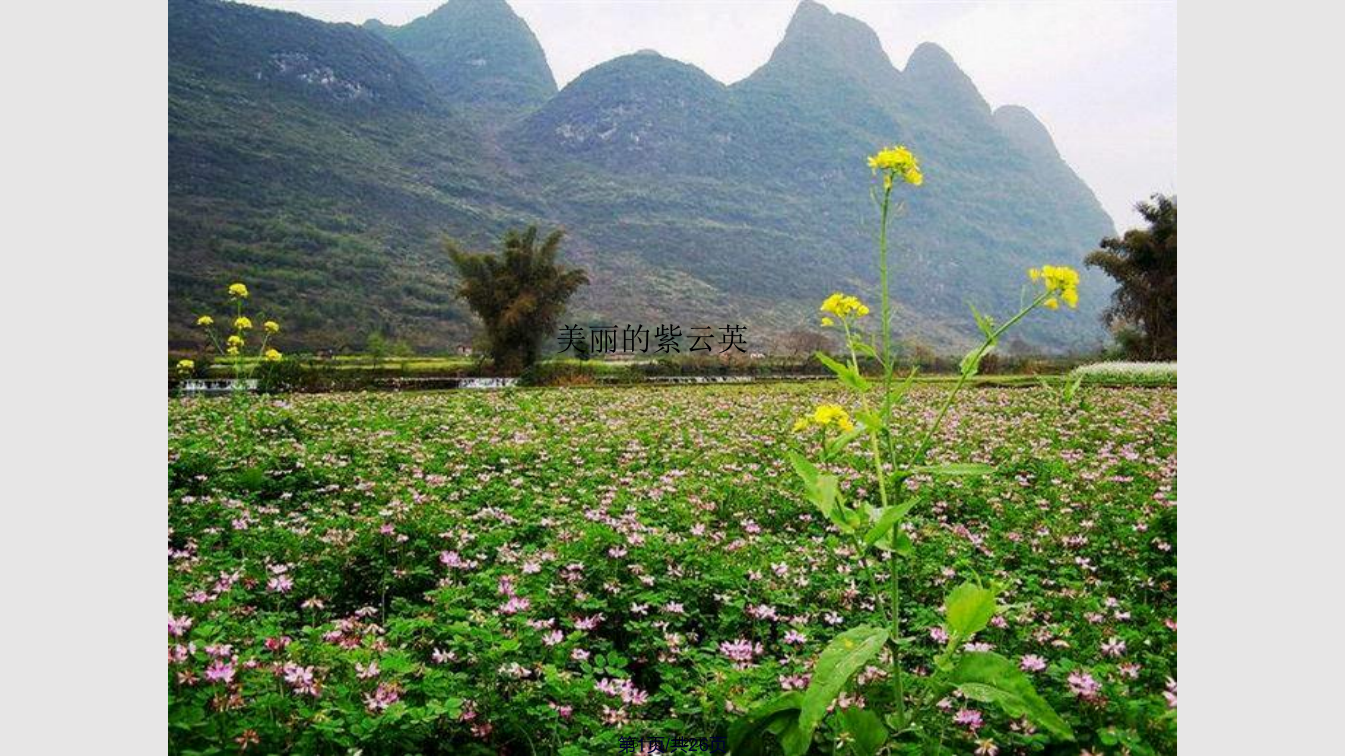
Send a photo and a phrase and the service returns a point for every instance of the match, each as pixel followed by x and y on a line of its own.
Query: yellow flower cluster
pixel 843 306
pixel 243 323
pixel 205 321
pixel 1062 281
pixel 897 161
pixel 272 355
pixel 238 290
pixel 825 415
pixel 271 326
pixel 186 366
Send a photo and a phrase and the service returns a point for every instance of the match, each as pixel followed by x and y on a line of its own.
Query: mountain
pixel 478 53
pixel 326 161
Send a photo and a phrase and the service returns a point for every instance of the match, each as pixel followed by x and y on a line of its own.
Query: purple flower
pixel 1084 686
pixel 1031 663
pixel 969 718
pixel 742 652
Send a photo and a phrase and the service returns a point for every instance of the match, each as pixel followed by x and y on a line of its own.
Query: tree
pixel 1144 262
pixel 519 294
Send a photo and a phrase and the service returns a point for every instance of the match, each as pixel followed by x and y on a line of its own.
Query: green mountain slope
pixel 324 163
pixel 476 52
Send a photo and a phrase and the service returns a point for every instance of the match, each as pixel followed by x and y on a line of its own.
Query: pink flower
pixel 588 623
pixel 1084 686
pixel 1114 648
pixel 280 584
pixel 515 604
pixel 742 652
pixel 384 696
pixel 177 626
pixel 553 638
pixel 441 657
pixel 795 638
pixel 969 718
pixel 938 635
pixel 220 671
pixel 1031 663
pixel 579 655
pixel 366 673
pixel 986 747
pixel 301 679
pixel 1171 693
pixel 625 690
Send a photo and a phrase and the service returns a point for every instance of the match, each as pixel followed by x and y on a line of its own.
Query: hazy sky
pixel 1102 76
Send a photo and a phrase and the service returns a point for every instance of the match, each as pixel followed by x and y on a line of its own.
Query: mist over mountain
pixel 323 163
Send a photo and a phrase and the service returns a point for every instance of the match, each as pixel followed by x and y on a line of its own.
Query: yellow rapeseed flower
pixel 271 326
pixel 273 356
pixel 243 323
pixel 827 414
pixel 186 366
pixel 843 306
pixel 205 320
pixel 235 341
pixel 1059 281
pixel 232 351
pixel 897 161
pixel 238 290
pixel 801 424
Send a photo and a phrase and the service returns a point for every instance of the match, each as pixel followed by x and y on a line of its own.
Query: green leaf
pixel 886 521
pixel 840 442
pixel 991 678
pixel 904 545
pixel 823 494
pixel 968 610
pixel 983 322
pixel 971 364
pixel 870 419
pixel 778 716
pixel 862 347
pixel 866 728
pixel 845 373
pixel 956 470
pixel 841 659
pixel 806 470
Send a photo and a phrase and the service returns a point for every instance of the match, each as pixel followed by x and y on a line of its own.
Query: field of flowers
pixel 562 571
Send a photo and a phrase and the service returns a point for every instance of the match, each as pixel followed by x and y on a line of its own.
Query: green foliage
pixel 514 480
pixel 967 611
pixel 518 295
pixel 840 660
pixel 991 678
pixel 1143 261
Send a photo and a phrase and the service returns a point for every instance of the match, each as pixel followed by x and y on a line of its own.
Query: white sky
pixel 1102 76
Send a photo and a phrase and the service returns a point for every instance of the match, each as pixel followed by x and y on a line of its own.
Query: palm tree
pixel 519 295
pixel 1144 262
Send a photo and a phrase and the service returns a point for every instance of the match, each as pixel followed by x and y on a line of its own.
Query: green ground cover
pixel 550 571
